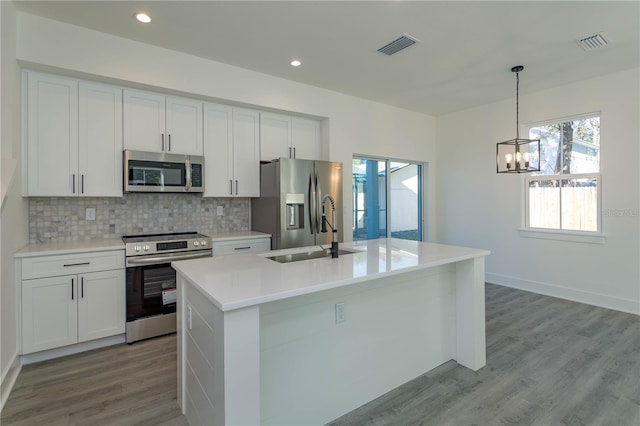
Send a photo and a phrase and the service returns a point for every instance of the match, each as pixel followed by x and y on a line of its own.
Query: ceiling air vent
pixel 398 44
pixel 593 41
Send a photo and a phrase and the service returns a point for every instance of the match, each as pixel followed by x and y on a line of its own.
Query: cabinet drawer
pixel 223 248
pixel 65 264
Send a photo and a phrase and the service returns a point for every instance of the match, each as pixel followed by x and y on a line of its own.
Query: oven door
pixel 151 290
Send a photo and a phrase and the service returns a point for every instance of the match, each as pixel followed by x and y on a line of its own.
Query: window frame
pixel 526 230
pixel 421 192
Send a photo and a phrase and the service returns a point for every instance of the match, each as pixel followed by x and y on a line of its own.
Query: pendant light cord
pixel 517 105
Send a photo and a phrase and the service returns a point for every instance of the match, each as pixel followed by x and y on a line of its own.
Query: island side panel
pixel 470 313
pixel 221 378
pixel 315 370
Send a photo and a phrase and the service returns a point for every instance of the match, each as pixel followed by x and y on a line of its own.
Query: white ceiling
pixel 464 59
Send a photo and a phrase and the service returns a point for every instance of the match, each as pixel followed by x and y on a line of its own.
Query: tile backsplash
pixel 62 219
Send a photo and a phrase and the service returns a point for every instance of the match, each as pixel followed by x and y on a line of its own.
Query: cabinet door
pixel 144 121
pixel 246 152
pixel 305 138
pixel 184 126
pixel 100 140
pixel 275 136
pixel 49 313
pixel 101 304
pixel 218 150
pixel 52 135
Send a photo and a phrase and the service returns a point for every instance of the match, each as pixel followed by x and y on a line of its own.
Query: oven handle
pixel 166 258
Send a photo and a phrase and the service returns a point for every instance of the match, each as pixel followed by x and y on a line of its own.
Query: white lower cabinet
pixel 73 308
pixel 223 248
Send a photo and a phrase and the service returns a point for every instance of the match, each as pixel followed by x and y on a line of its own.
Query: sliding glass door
pixel 387 199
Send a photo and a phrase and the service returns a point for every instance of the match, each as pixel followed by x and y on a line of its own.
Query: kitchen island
pixel 263 342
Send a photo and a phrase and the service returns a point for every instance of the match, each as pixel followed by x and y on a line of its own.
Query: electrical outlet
pixel 220 211
pixel 90 213
pixel 341 312
pixel 189 317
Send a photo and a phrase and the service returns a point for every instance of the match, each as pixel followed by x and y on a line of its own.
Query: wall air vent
pixel 398 44
pixel 593 41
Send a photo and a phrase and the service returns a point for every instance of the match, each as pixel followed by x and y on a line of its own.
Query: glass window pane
pixel 580 205
pixel 569 147
pixel 544 204
pixel 405 201
pixel 369 199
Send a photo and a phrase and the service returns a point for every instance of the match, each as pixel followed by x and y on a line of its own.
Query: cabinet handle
pixel 294 152
pixel 72 295
pixel 76 264
pixel 82 184
pixel 242 248
pixel 236 187
pixel 169 135
pixel 82 287
pixel 73 184
pixel 162 135
pixel 290 153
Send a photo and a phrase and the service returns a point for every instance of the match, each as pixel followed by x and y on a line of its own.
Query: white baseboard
pixel 9 379
pixel 72 349
pixel 596 299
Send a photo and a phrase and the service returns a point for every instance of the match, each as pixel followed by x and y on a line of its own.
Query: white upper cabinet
pixel 144 121
pixel 288 137
pixel 275 136
pixel 246 152
pixel 184 126
pixel 231 151
pixel 305 138
pixel 158 123
pixel 100 140
pixel 52 135
pixel 73 138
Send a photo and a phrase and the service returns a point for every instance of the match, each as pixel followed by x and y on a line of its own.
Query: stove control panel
pixel 140 248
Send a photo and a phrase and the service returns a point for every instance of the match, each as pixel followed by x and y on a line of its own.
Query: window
pixel 565 194
pixel 387 199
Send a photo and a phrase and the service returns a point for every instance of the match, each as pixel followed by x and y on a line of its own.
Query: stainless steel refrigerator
pixel 290 203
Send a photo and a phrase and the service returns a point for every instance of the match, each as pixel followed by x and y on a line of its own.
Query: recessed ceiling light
pixel 296 63
pixel 143 17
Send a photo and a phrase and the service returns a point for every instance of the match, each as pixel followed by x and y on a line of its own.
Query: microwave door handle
pixel 187 172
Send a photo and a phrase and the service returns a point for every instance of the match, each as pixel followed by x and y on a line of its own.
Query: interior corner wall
pixel 355 125
pixel 13 224
pixel 480 208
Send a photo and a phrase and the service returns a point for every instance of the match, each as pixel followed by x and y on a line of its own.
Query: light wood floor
pixel 549 362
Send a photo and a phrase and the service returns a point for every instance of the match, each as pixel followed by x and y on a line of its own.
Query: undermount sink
pixel 308 255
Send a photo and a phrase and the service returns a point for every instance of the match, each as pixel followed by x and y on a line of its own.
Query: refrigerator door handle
pixel 312 205
pixel 318 205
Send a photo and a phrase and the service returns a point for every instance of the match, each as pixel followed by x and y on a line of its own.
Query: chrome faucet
pixel 334 229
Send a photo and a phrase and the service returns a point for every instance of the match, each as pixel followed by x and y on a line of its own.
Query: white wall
pixel 13 224
pixel 355 125
pixel 480 208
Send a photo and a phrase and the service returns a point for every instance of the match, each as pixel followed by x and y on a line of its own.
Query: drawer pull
pixel 242 248
pixel 76 264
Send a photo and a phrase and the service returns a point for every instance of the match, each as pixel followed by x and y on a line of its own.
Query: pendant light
pixel 518 155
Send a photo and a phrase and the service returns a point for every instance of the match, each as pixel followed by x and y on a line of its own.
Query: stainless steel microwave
pixel 160 172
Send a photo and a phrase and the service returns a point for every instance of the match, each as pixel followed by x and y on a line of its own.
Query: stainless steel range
pixel 151 281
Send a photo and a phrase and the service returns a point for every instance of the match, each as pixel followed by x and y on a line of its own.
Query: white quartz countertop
pixel 238 281
pixel 49 249
pixel 69 248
